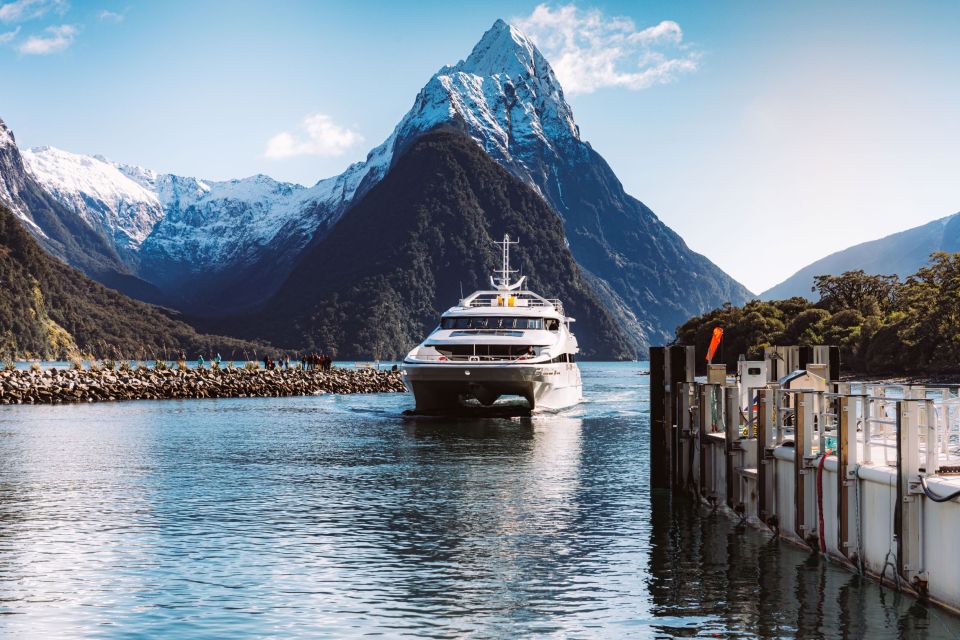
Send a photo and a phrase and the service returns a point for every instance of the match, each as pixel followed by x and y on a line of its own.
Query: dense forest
pixel 50 310
pixel 881 324
pixel 376 286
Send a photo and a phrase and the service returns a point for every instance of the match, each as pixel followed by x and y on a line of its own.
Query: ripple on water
pixel 337 516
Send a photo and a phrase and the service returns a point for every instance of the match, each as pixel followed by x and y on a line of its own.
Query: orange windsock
pixel 714 343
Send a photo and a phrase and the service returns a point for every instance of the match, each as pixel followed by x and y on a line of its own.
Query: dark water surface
pixel 338 517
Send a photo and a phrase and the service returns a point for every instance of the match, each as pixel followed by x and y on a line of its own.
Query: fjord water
pixel 336 516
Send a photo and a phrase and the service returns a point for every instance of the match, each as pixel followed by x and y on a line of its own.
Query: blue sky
pixel 800 128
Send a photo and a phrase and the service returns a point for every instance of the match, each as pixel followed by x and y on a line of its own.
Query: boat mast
pixel 505 271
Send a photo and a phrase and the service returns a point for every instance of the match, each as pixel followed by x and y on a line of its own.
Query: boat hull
pixel 441 386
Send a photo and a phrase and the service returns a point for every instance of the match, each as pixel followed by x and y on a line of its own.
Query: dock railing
pixel 856 471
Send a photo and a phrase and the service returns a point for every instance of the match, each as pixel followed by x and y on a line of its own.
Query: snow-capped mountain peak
pixel 6 136
pixel 98 192
pixel 226 245
pixel 503 49
pixel 13 180
pixel 504 94
pixel 505 52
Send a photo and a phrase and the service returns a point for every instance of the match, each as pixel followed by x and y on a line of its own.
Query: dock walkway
pixel 866 474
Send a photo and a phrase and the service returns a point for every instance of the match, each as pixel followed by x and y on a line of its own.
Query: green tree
pixel 882 325
pixel 855 290
pixel 928 325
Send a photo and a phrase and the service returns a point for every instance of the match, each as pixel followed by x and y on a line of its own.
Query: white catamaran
pixel 505 341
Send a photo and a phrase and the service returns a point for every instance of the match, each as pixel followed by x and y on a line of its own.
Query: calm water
pixel 337 516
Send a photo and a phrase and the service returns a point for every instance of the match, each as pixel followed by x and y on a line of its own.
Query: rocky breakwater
pixel 53 386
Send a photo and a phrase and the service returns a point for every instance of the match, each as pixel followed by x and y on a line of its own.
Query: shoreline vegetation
pixel 887 329
pixel 100 383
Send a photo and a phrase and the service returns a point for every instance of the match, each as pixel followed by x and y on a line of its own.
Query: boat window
pixel 492 322
pixel 553 324
pixel 492 332
pixel 483 351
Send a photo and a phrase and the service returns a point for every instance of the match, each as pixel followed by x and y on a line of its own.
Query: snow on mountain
pixel 58 228
pixel 12 179
pixel 504 94
pixel 214 224
pixel 6 136
pixel 98 192
pixel 170 227
pixel 218 240
pixel 507 98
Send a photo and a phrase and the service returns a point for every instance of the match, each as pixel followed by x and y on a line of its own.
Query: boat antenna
pixel 503 283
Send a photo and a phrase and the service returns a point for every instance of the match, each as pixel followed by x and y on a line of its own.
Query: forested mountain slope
pixel 378 283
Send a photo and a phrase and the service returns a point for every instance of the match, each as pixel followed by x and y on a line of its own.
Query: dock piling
pixel 659 460
pixel 834 466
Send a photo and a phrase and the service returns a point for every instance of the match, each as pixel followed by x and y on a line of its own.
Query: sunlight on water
pixel 338 516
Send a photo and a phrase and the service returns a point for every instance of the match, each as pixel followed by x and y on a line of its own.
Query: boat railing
pixel 527 302
pixel 472 358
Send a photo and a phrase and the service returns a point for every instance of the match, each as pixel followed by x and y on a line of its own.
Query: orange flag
pixel 714 343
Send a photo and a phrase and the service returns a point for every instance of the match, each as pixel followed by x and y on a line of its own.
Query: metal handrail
pixel 484 302
pixel 472 358
pixel 531 302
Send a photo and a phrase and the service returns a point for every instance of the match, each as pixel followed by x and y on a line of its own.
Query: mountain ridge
pixel 448 202
pixel 50 310
pixel 61 232
pixel 901 253
pixel 220 255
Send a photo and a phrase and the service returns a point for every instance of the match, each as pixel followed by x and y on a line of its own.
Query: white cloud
pixel 57 40
pixel 110 16
pixel 590 51
pixel 22 10
pixel 319 136
pixel 9 35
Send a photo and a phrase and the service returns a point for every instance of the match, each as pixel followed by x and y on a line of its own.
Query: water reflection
pixel 710 577
pixel 491 520
pixel 338 516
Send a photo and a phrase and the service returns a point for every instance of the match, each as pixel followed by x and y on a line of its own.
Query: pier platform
pixel 865 474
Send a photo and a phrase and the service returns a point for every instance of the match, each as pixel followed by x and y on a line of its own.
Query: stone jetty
pixel 57 386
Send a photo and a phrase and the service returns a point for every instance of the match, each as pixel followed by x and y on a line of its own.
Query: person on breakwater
pixel 216 360
pixel 200 361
